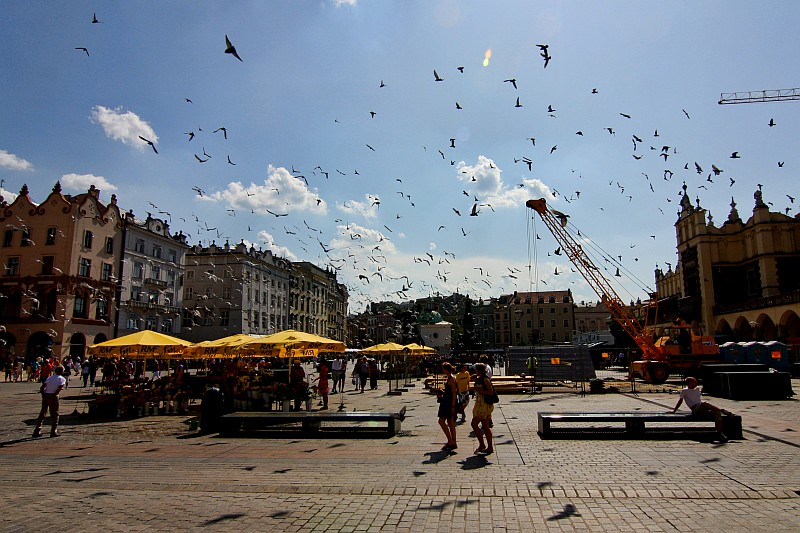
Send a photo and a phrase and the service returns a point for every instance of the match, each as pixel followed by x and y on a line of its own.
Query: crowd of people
pixel 17 369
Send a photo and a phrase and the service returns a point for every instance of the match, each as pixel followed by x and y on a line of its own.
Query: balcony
pixel 155 283
pixel 157 308
pixel 758 303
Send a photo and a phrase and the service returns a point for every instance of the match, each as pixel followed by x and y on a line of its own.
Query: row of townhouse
pixel 78 271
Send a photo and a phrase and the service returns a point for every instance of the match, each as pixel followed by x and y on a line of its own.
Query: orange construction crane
pixel 677 348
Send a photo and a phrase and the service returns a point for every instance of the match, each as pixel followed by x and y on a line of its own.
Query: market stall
pixel 277 383
pixel 133 393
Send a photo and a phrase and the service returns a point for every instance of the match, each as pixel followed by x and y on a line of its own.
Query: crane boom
pixel 556 222
pixel 748 97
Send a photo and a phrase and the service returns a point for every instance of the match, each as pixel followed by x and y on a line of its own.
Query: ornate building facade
pixel 151 272
pixel 318 302
pixel 738 281
pixel 527 318
pixel 234 289
pixel 59 279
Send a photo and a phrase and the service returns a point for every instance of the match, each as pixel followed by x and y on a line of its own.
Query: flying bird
pixel 685 113
pixel 562 218
pixel 94 19
pixel 230 49
pixel 625 115
pixel 545 53
pixel 224 132
pixel 148 141
pixel 517 104
pixel 512 81
pixel 84 49
pixel 436 76
pixel 735 155
pixel 771 122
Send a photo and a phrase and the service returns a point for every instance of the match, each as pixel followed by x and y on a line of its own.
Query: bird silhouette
pixel 545 53
pixel 512 81
pixel 84 49
pixel 436 76
pixel 224 132
pixel 94 19
pixel 148 141
pixel 735 155
pixel 771 122
pixel 517 104
pixel 230 49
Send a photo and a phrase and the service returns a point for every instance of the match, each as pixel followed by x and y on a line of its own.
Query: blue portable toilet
pixel 755 352
pixel 732 353
pixel 778 353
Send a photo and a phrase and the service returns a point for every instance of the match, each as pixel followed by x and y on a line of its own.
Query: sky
pixel 331 140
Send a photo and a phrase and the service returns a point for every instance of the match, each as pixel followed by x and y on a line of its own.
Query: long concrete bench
pixel 311 421
pixel 635 422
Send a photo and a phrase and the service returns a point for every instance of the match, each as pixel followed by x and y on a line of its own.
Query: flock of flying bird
pixel 357 252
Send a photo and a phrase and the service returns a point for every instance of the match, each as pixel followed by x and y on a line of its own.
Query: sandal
pixel 480 450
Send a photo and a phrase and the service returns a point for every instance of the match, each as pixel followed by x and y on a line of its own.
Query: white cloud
pixel 281 193
pixel 125 126
pixel 357 236
pixel 82 182
pixel 13 162
pixel 367 209
pixel 269 244
pixel 7 195
pixel 340 3
pixel 484 180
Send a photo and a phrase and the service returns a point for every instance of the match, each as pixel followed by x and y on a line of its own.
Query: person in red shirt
pixel 47 370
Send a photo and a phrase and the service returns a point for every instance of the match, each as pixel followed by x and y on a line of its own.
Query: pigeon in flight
pixel 512 81
pixel 148 141
pixel 84 49
pixel 230 49
pixel 545 54
pixel 94 19
pixel 436 76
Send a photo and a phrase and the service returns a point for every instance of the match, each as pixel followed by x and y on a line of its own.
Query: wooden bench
pixel 311 421
pixel 635 422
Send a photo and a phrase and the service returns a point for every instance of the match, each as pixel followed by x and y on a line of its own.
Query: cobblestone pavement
pixel 154 474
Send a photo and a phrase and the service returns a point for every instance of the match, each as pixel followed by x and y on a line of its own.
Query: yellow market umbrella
pixel 141 345
pixel 224 347
pixel 386 348
pixel 289 344
pixel 418 349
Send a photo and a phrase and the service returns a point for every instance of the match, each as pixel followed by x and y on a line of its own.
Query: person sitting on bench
pixel 701 409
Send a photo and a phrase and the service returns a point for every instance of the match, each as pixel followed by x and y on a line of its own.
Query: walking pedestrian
pixel 336 369
pixel 482 411
pixel 363 372
pixel 447 407
pixel 85 371
pixel 323 387
pixel 50 390
pixel 462 383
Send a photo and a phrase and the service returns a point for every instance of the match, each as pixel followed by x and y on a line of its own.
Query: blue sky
pixel 376 190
